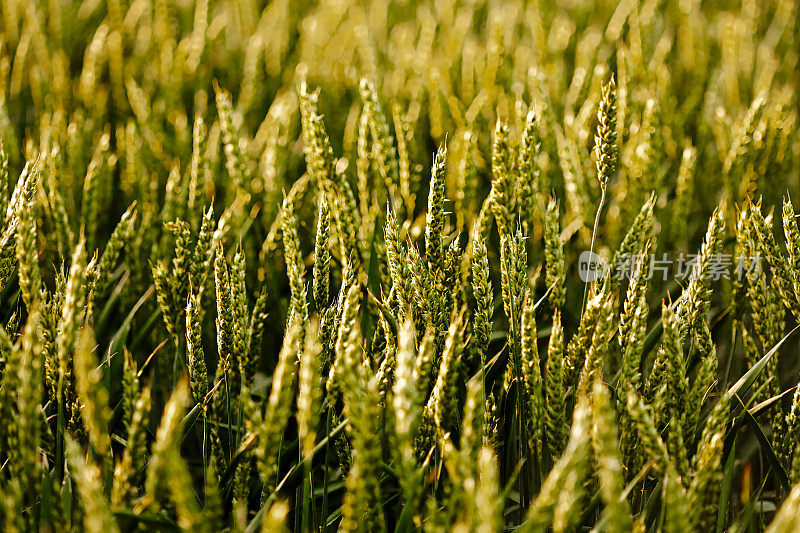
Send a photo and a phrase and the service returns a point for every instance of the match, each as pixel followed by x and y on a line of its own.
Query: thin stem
pixel 252 527
pixel 325 472
pixel 591 246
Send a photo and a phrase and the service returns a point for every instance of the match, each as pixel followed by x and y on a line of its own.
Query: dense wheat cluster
pixel 322 266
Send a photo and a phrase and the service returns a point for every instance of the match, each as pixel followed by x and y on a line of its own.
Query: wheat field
pixel 399 265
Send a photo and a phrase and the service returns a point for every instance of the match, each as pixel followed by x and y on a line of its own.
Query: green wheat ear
pixel 607 457
pixel 388 164
pixel 309 391
pixel 434 222
pixel 270 429
pixel 531 373
pixel 93 395
pixel 667 383
pixel 295 267
pixel 555 436
pixel 24 203
pixel 198 373
pixel 605 140
pixel 651 445
pixel 554 257
pixel 127 471
pixel 503 193
pixel 482 292
pixel 322 255
pixel 528 182
pixel 406 403
pixel 235 161
pixel 97 516
pixel 167 471
pixel 569 471
pixel 102 270
pixel 707 467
